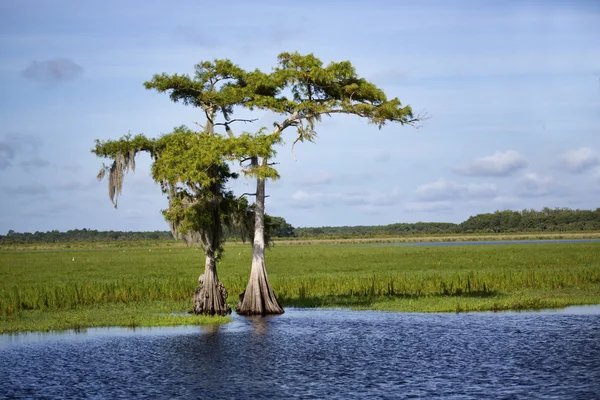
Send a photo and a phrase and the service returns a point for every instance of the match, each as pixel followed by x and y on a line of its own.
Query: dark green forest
pixel 507 221
pixel 275 227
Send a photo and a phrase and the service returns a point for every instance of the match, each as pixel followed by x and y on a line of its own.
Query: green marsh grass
pixel 70 284
pixel 109 314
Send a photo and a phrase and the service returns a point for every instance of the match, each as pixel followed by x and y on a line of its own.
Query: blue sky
pixel 512 90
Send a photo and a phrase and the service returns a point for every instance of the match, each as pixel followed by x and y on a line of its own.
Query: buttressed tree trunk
pixel 259 298
pixel 210 297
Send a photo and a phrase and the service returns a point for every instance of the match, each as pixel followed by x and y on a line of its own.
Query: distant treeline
pixel 546 220
pixel 379 230
pixel 549 219
pixel 275 226
pixel 82 235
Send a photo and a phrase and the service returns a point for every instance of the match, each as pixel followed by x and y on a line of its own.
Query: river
pixel 314 353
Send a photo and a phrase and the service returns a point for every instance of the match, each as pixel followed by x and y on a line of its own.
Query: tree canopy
pixel 192 168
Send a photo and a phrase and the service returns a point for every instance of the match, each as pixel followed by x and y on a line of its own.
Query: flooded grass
pixel 129 315
pixel 49 289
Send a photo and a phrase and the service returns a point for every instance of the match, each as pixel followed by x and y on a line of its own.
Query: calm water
pixel 318 354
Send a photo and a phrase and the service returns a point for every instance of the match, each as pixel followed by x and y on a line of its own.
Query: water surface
pixel 318 354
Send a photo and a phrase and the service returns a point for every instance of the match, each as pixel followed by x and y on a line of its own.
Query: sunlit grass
pixel 53 286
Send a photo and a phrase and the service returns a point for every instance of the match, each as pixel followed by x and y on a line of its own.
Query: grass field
pixel 64 288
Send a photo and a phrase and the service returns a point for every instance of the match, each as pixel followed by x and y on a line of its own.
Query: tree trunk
pixel 259 298
pixel 210 296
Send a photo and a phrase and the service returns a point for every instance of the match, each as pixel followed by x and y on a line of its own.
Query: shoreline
pixel 581 309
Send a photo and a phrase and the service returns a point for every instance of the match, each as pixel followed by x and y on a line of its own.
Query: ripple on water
pixel 318 354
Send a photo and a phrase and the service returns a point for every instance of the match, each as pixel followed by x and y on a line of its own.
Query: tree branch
pixel 236 120
pixel 418 121
pixel 208 117
pixel 289 121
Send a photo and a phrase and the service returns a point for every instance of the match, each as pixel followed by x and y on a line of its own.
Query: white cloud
pixel 428 206
pixel 450 190
pixel 440 189
pixel 72 185
pixel 321 178
pixel 498 164
pixel 26 189
pixel 534 185
pixel 482 191
pixel 34 162
pixel 506 201
pixel 596 175
pixel 367 198
pixel 580 159
pixel 17 145
pixel 7 153
pixel 302 199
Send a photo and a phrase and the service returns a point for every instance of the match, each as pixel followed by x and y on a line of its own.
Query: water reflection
pixel 210 329
pixel 260 325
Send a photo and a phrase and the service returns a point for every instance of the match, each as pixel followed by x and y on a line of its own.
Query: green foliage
pixel 336 88
pixel 484 277
pixel 399 229
pixel 216 87
pixel 81 235
pixel 549 220
pixel 129 315
pixel 219 86
pixel 249 146
pixel 125 145
pixel 279 227
pixel 546 220
pixel 190 158
pixel 190 166
pixel 237 211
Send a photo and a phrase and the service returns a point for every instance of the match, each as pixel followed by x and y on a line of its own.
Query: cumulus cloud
pixel 54 70
pixel 429 206
pixel 597 174
pixel 580 159
pixel 33 163
pixel 17 146
pixel 7 153
pixel 505 202
pixel 444 190
pixel 535 185
pixel 27 189
pixel 498 164
pixel 72 167
pixel 322 178
pixel 49 209
pixel 303 199
pixel 71 185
